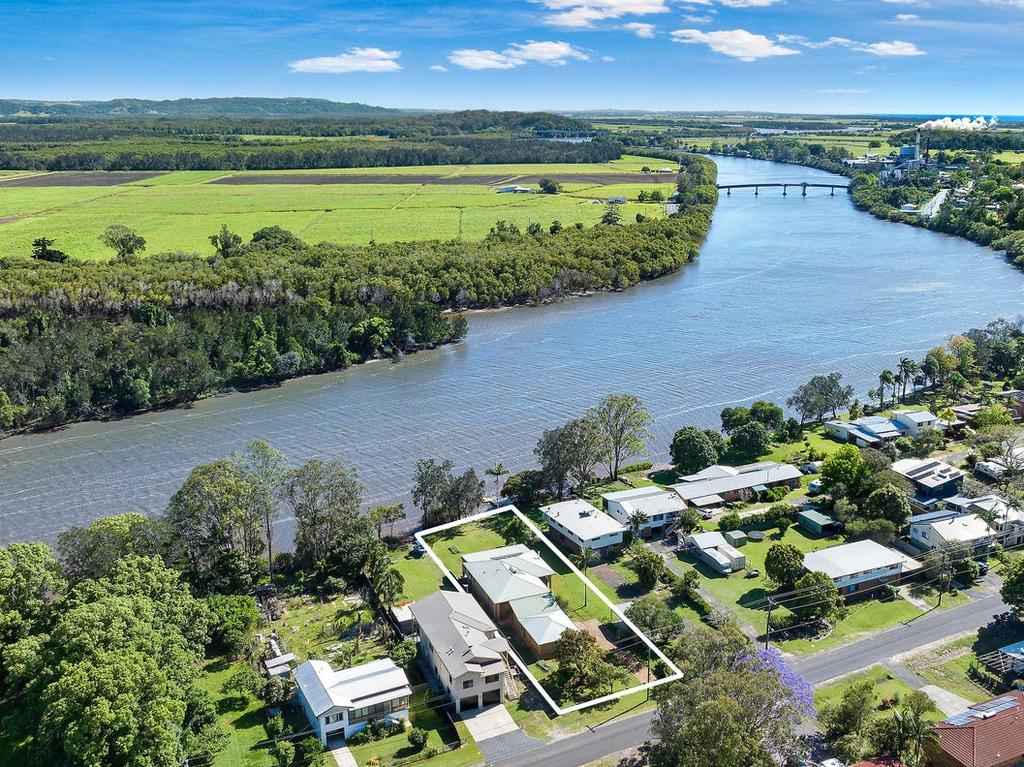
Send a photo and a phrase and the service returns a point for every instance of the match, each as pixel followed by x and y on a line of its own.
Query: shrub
pixel 417 738
pixel 635 467
pixel 274 727
pixel 729 521
pixel 404 653
pixel 310 752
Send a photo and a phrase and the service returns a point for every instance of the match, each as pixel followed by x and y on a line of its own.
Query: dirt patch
pixel 426 178
pixel 593 627
pixel 7 220
pixel 81 178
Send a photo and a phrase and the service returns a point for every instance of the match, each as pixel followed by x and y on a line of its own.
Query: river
pixel 784 288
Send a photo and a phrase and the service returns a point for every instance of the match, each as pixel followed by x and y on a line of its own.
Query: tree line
pixel 89 339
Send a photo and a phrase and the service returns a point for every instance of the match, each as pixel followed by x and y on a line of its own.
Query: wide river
pixel 784 288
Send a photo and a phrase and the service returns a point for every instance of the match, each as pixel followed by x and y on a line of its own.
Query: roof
pixel 324 688
pixel 542 618
pixel 502 582
pixel 963 528
pixel 986 734
pixel 917 416
pixel 280 660
pixel 707 500
pixel 816 517
pixel 880 761
pixel 518 556
pixel 582 519
pixel 776 472
pixel 460 631
pixel 927 472
pixel 848 559
pixel 651 500
pixel 712 472
pixel 1016 649
pixel 708 540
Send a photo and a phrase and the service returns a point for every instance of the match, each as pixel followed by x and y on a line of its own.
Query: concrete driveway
pixel 948 703
pixel 489 722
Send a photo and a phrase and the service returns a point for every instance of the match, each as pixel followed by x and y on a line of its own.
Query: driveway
pixel 489 722
pixel 342 756
pixel 947 702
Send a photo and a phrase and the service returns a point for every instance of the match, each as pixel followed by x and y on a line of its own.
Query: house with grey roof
pixel 461 649
pixel 342 702
pixel 859 566
pixel 715 551
pixel 869 431
pixel 718 485
pixel 575 523
pixel 513 584
pixel 660 507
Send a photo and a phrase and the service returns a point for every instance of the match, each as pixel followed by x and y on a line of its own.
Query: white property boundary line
pixel 676 673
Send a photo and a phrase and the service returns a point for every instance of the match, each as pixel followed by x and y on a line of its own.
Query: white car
pixel 814 487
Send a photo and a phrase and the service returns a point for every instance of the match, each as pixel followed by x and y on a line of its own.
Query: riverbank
pixel 784 289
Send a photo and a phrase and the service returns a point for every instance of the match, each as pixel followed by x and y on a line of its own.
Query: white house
pixel 660 507
pixel 912 422
pixel 461 649
pixel 576 524
pixel 859 565
pixel 344 701
pixel 948 527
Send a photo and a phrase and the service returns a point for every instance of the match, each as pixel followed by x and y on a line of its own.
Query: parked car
pixel 982 568
pixel 753 572
pixel 814 487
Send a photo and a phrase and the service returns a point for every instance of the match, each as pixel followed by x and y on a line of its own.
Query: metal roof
pixel 463 636
pixel 582 519
pixel 780 472
pixel 848 559
pixel 324 688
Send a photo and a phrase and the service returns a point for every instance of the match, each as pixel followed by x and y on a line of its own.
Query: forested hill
pixel 84 340
pixel 238 106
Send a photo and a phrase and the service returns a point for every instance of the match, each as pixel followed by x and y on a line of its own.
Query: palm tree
pixel 886 380
pixel 909 368
pixel 497 471
pixel 637 519
pixel 914 734
pixel 583 559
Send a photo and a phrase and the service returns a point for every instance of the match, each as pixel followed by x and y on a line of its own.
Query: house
pixel 617 200
pixel 660 507
pixel 716 552
pixel 717 485
pixel 930 477
pixel 869 431
pixel 575 524
pixel 665 170
pixel 461 649
pixel 342 702
pixel 859 565
pixel 1007 521
pixel 989 734
pixel 995 468
pixel 513 583
pixel 948 527
pixel 514 189
pixel 815 522
pixel 913 422
pixel 279 665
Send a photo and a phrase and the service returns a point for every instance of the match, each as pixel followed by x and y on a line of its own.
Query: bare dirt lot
pixel 81 178
pixel 486 180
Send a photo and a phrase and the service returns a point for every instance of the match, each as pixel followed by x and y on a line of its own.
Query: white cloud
pixel 844 91
pixel 640 29
pixel 439 68
pixel 737 43
pixel 737 3
pixel 552 52
pixel 607 59
pixel 353 60
pixel 907 17
pixel 890 48
pixel 694 18
pixel 882 48
pixel 584 13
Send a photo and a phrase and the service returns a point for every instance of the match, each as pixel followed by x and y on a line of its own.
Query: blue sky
pixel 883 56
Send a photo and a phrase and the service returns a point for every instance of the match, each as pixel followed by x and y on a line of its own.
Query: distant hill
pixel 239 106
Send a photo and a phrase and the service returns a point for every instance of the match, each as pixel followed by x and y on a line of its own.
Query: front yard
pixel 745 596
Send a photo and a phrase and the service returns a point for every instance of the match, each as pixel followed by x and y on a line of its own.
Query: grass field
pixel 179 211
pixel 889 690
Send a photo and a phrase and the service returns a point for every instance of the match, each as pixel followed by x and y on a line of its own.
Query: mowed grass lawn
pixel 746 596
pixel 179 211
pixel 888 689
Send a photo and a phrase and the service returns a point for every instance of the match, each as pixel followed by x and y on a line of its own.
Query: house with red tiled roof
pixel 880 761
pixel 989 734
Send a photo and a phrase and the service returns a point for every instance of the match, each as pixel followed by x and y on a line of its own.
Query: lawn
pixel 953 665
pixel 179 211
pixel 745 596
pixel 441 734
pixel 537 721
pixel 311 625
pixel 888 689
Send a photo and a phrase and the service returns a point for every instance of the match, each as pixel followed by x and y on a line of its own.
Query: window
pixel 468 684
pixel 491 679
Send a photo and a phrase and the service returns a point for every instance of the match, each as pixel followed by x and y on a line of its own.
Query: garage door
pixel 492 696
pixel 467 703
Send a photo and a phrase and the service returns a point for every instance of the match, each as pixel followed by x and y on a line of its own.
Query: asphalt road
pixel 623 734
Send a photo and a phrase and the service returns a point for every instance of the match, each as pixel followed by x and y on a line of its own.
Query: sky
pixel 822 56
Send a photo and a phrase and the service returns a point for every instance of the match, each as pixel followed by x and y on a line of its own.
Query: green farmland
pixel 179 211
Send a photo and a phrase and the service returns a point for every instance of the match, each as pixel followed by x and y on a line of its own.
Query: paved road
pixel 623 734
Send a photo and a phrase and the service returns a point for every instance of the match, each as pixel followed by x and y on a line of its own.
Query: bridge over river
pixel 802 185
